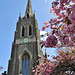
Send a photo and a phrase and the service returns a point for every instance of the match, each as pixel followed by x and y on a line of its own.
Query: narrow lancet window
pixel 22 31
pixel 30 30
pixel 25 67
pixel 27 15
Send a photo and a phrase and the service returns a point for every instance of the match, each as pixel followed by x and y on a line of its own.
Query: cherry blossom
pixel 63 61
pixel 64 25
pixel 62 29
pixel 50 41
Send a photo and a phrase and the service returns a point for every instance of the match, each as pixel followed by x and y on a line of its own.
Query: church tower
pixel 26 48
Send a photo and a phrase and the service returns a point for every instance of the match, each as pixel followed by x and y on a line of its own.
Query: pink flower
pixel 73 0
pixel 72 8
pixel 61 39
pixel 68 58
pixel 51 41
pixel 57 11
pixel 71 27
pixel 54 58
pixel 43 28
pixel 70 43
pixel 46 23
pixel 1 68
pixel 43 43
pixel 48 55
pixel 64 55
pixel 65 29
pixel 72 17
pixel 72 37
pixel 55 3
pixel 63 1
pixel 33 70
pixel 66 40
pixel 58 46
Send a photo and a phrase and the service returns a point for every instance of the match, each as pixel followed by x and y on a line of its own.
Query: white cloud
pixel 43 33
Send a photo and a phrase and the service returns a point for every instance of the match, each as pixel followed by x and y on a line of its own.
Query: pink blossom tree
pixel 63 30
pixel 64 61
pixel 63 26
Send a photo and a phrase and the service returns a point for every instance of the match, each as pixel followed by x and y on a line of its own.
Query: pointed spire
pixel 20 17
pixel 34 15
pixel 45 54
pixel 29 12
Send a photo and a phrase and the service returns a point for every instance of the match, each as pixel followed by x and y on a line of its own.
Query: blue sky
pixel 9 13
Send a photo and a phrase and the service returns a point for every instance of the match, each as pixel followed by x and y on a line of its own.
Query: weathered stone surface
pixel 32 47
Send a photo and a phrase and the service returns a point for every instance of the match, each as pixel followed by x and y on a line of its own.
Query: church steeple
pixel 26 48
pixel 29 12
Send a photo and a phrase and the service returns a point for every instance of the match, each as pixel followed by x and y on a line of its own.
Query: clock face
pixel 25 40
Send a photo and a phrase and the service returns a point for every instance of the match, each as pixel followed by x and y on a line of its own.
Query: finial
pixel 34 14
pixel 20 14
pixel 20 17
pixel 45 54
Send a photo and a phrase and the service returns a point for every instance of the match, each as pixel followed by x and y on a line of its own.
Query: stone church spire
pixel 26 48
pixel 29 12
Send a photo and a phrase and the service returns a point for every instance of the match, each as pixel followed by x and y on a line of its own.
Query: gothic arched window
pixel 27 15
pixel 30 30
pixel 23 31
pixel 25 67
